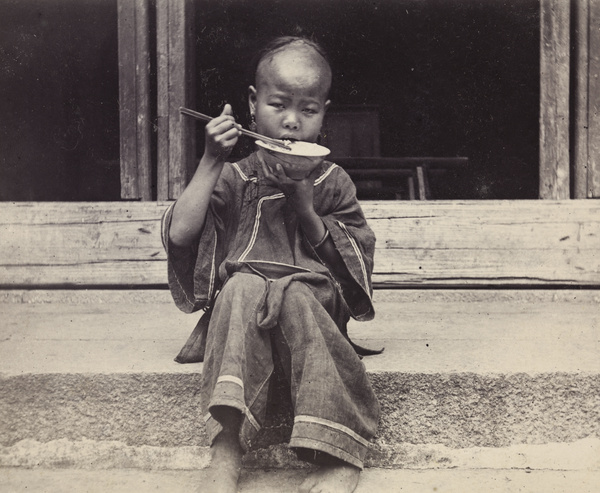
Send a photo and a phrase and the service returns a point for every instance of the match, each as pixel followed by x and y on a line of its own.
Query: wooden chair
pixel 352 133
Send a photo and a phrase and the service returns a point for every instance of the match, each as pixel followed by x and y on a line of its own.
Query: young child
pixel 282 264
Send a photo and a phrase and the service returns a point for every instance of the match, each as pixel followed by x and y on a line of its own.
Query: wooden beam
pixel 593 171
pixel 581 23
pixel 163 96
pixel 176 143
pixel 127 100
pixel 586 121
pixel 134 99
pixel 143 116
pixel 433 243
pixel 554 99
pixel 394 163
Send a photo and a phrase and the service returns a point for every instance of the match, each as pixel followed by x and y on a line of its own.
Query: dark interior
pixel 447 78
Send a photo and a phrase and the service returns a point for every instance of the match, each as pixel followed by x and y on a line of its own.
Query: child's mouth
pixel 288 140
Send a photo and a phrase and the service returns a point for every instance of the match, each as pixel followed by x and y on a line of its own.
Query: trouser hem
pixel 328 448
pixel 248 428
pixel 334 443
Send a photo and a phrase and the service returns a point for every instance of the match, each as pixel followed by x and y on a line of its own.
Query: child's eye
pixel 276 105
pixel 310 111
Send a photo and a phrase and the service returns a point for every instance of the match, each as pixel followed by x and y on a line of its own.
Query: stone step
pixel 279 481
pixel 464 373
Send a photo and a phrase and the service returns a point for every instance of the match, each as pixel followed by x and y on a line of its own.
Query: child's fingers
pixel 221 123
pixel 228 125
pixel 279 171
pixel 283 177
pixel 227 110
pixel 267 171
pixel 228 139
pixel 280 174
pixel 225 116
pixel 227 129
pixel 270 177
pixel 222 134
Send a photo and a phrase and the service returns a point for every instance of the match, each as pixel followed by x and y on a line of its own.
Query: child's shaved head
pixel 292 82
pixel 293 54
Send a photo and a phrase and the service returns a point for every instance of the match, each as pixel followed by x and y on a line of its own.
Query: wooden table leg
pixel 423 185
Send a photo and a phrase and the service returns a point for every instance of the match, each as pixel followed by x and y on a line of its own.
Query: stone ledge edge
pixel 580 455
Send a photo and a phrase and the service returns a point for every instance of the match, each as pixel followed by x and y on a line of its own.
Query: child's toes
pixel 308 484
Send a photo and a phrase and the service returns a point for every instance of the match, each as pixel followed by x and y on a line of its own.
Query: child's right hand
pixel 221 135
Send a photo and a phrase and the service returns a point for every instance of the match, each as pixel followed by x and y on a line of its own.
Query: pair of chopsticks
pixel 201 116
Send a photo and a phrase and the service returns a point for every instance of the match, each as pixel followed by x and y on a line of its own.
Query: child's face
pixel 290 99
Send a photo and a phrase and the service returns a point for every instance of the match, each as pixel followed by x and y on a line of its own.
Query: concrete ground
pixel 282 481
pixel 496 331
pixel 500 389
pixel 469 380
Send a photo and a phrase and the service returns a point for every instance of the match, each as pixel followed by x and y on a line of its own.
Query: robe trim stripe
pixel 326 174
pixel 213 269
pixel 243 175
pixel 257 224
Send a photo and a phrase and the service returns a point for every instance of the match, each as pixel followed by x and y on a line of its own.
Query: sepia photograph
pixel 313 246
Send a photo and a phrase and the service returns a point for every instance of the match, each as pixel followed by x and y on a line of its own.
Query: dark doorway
pixel 450 78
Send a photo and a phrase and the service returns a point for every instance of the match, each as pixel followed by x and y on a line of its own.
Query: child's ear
pixel 252 99
pixel 327 103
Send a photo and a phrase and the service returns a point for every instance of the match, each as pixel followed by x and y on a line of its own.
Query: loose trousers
pixel 335 408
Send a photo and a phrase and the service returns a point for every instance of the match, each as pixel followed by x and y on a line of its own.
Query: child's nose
pixel 291 121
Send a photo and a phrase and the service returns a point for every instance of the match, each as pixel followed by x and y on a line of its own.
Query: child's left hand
pixel 299 193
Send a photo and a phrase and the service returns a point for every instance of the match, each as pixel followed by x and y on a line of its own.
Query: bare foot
pixel 225 465
pixel 341 478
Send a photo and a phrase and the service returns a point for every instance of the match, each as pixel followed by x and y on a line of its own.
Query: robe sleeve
pixel 193 272
pixel 355 241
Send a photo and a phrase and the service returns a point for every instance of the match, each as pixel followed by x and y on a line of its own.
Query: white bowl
pixel 298 162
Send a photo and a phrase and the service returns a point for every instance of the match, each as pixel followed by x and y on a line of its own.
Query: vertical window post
pixel 134 99
pixel 586 120
pixel 554 99
pixel 175 52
